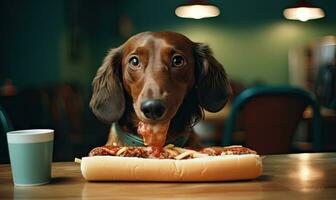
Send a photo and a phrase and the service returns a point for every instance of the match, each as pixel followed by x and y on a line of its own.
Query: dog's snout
pixel 153 109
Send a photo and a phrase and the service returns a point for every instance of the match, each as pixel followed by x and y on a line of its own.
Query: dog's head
pixel 158 70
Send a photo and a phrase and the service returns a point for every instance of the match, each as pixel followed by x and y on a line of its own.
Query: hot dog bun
pixel 211 168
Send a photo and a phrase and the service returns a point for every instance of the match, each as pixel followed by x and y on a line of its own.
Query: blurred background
pixel 51 50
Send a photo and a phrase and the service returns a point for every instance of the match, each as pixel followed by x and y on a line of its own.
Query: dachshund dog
pixel 156 84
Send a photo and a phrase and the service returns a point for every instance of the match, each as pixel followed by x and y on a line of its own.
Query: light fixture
pixel 197 9
pixel 303 11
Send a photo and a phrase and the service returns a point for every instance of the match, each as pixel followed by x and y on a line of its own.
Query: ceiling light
pixel 197 9
pixel 303 11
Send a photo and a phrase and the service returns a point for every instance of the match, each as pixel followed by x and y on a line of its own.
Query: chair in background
pixel 5 127
pixel 270 116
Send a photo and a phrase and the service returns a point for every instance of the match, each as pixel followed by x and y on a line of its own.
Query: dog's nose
pixel 153 109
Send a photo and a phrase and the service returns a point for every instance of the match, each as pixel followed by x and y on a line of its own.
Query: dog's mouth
pixel 153 134
pixel 154 117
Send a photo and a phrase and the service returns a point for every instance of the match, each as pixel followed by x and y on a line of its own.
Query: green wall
pixel 30 42
pixel 258 52
pixel 250 38
pixel 65 41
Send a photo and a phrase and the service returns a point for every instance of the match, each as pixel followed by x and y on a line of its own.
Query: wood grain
pixel 293 176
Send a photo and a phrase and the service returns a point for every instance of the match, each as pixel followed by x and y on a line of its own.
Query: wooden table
pixel 295 176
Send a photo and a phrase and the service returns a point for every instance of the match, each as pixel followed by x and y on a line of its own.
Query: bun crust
pixel 211 168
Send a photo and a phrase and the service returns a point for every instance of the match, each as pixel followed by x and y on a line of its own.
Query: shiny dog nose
pixel 153 109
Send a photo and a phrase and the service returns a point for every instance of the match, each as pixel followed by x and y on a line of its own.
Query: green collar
pixel 134 140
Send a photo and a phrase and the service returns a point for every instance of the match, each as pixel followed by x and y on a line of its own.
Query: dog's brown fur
pixel 119 88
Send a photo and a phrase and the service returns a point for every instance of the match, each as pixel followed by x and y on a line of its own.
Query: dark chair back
pixel 270 116
pixel 5 126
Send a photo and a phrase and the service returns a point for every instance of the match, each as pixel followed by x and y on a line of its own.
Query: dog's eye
pixel 134 61
pixel 178 61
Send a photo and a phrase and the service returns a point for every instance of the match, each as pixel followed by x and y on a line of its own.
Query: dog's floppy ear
pixel 213 86
pixel 108 101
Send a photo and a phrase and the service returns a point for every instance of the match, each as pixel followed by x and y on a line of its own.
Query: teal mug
pixel 30 153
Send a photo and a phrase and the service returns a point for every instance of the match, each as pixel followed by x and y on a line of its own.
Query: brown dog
pixel 158 82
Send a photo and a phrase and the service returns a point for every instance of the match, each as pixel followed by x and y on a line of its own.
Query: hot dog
pixel 173 164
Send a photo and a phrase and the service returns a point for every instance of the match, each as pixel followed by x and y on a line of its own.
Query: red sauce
pixel 157 151
pixel 153 136
pixel 104 150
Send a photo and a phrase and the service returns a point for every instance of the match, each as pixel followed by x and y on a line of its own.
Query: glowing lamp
pixel 303 11
pixel 197 9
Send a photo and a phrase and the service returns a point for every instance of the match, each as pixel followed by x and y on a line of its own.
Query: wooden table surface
pixel 293 176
